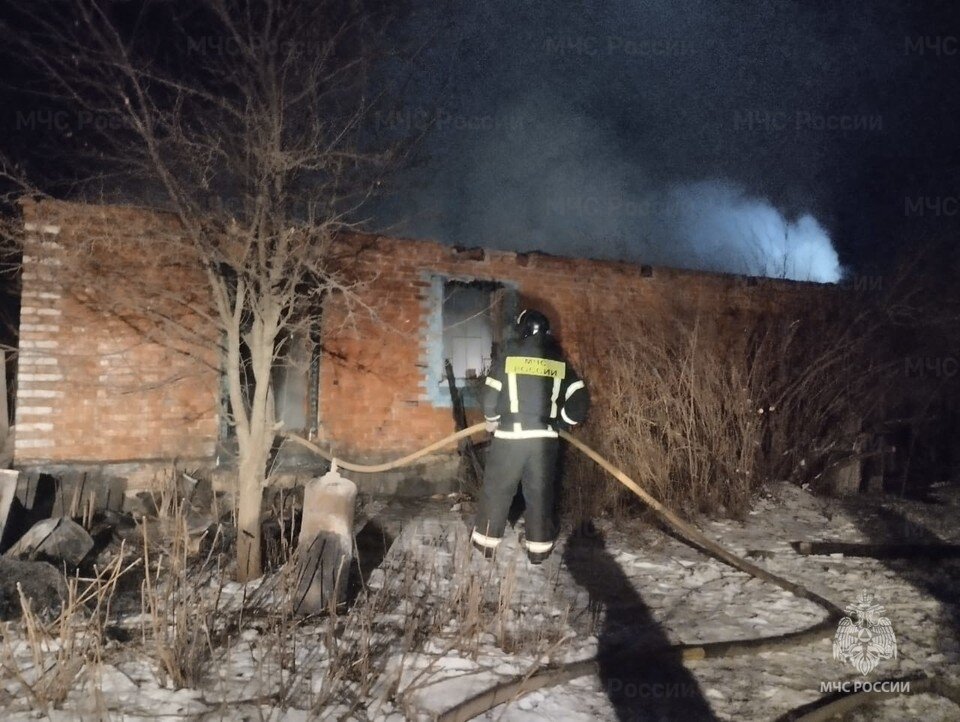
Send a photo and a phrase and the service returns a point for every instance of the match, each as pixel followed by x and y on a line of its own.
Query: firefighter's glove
pixel 491 426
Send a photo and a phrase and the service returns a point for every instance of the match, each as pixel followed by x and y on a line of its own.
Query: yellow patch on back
pixel 533 366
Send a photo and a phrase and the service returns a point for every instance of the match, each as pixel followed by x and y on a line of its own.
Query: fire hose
pixel 552 676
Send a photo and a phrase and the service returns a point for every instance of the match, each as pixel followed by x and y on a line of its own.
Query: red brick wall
pixel 372 399
pixel 90 388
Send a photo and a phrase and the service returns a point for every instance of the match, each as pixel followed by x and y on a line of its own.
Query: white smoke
pixel 719 227
pixel 546 179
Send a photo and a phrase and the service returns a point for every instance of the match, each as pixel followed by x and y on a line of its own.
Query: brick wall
pixel 90 388
pixel 376 399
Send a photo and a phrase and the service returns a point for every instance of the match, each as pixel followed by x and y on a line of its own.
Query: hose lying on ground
pixel 511 689
pixel 878 551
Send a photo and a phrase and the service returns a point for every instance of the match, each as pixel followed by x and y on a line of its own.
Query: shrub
pixel 701 412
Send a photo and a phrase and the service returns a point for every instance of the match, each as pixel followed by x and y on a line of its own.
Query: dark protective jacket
pixel 532 390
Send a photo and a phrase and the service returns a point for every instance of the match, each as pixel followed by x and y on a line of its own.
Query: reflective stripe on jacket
pixel 531 387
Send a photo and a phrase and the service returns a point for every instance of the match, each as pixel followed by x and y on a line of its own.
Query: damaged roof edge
pixel 59 212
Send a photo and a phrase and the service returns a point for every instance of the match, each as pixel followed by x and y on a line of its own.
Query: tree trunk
pixel 254 446
pixel 250 493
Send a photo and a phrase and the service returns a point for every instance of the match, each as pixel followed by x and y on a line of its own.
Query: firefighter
pixel 530 393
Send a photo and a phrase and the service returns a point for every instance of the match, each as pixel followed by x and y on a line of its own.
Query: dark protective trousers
pixel 532 463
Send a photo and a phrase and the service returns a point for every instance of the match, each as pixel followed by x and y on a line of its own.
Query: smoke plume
pixel 538 177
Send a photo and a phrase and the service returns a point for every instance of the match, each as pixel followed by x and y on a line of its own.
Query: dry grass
pixel 53 657
pixel 676 418
pixel 426 602
pixel 178 609
pixel 701 419
pixel 199 630
pixel 828 385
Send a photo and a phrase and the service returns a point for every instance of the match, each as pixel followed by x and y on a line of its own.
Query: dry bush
pixel 53 657
pixel 180 601
pixel 181 595
pixel 672 415
pixel 824 385
pixel 701 414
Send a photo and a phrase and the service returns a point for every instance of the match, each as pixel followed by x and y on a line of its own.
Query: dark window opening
pixel 295 377
pixel 474 321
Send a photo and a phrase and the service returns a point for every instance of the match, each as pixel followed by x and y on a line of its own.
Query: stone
pixel 59 538
pixel 140 504
pixel 41 582
pixel 149 530
pixel 162 530
pixel 108 529
pixel 325 544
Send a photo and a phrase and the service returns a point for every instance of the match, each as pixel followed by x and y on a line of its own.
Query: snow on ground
pixel 694 599
pixel 436 624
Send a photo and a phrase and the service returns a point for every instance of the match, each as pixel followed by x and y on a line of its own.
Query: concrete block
pixel 61 539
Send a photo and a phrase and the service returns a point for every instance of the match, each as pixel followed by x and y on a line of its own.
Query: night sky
pixel 674 132
pixel 799 139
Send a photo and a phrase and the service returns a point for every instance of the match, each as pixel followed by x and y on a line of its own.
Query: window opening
pixel 472 322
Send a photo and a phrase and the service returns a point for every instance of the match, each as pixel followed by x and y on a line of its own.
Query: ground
pixel 434 623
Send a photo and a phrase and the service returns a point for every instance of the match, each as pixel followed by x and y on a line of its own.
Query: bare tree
pixel 246 122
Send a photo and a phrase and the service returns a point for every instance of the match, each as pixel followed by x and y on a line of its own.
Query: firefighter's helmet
pixel 531 323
